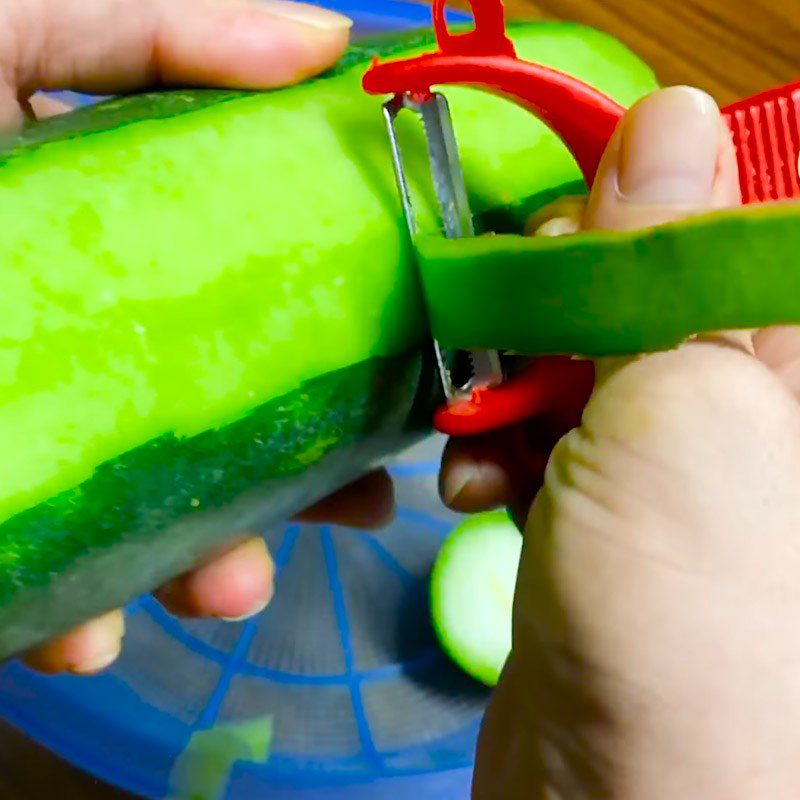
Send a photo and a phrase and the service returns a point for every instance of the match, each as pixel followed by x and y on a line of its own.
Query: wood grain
pixel 730 48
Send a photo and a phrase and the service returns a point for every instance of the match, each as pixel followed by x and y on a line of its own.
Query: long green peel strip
pixel 603 293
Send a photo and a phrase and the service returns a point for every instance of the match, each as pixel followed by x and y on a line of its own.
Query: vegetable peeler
pixel 501 390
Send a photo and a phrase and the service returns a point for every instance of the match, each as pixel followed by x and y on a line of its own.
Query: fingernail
pixel 97 664
pixel 458 477
pixel 669 148
pixel 558 226
pixel 306 14
pixel 250 614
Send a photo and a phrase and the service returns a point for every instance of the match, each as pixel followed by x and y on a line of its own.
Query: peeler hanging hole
pixel 486 37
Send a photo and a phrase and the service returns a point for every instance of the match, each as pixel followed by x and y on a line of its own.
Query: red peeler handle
pixel 554 385
pixel 766 134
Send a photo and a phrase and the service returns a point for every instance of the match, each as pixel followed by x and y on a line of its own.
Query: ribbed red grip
pixel 766 133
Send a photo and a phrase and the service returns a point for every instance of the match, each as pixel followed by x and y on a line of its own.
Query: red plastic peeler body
pixel 765 131
pixel 484 58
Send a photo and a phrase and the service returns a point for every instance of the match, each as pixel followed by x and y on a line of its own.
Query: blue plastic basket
pixel 343 669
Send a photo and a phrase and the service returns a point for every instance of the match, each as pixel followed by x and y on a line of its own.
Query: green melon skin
pixel 210 314
pixel 615 294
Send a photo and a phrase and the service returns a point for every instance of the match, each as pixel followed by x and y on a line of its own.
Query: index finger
pixel 121 45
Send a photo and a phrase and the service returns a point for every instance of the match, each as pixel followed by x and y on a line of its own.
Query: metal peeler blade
pixel 456 217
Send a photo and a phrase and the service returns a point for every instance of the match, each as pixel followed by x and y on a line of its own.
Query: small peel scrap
pixel 203 769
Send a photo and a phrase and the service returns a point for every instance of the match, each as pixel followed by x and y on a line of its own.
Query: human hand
pixel 655 650
pixel 112 46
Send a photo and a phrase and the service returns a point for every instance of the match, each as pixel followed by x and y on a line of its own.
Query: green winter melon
pixel 210 313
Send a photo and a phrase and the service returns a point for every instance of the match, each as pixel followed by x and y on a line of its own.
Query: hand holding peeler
pixel 501 391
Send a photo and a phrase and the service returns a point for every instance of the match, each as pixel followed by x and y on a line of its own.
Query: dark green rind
pixel 158 508
pixel 604 294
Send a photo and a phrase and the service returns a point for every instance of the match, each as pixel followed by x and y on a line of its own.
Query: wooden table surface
pixel 730 48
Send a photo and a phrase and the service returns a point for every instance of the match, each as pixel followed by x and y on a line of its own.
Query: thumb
pixel 671 156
